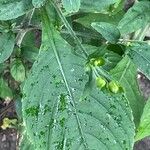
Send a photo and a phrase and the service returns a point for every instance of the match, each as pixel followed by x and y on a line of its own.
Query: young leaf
pixel 144 126
pixel 38 3
pixel 7 42
pixel 125 73
pixel 18 70
pixel 108 31
pixel 52 112
pixel 137 17
pixel 13 9
pixel 71 5
pixel 140 55
pixel 5 91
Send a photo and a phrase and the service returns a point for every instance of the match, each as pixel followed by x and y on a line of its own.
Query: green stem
pixel 101 72
pixel 72 33
pixel 126 41
pixel 25 23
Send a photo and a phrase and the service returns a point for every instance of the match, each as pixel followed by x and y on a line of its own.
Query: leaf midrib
pixel 72 101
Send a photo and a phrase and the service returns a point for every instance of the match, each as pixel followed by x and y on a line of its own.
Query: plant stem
pixel 25 23
pixel 125 41
pixel 103 73
pixel 72 33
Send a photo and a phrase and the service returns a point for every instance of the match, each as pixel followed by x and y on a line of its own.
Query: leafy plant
pixel 75 64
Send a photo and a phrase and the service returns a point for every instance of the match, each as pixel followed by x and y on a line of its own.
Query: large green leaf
pixel 7 42
pixel 88 18
pixel 125 72
pixel 54 116
pixel 140 55
pixel 137 17
pixel 38 3
pixel 95 5
pixel 144 127
pixel 13 9
pixel 108 31
pixel 71 5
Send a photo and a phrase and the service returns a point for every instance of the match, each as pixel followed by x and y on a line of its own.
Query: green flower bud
pixel 97 61
pixel 87 68
pixel 114 86
pixel 100 82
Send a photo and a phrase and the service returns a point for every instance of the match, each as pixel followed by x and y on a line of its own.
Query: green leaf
pixel 108 31
pixel 140 55
pixel 30 53
pixel 71 5
pixel 18 70
pixel 88 18
pixel 125 73
pixel 5 91
pixel 14 9
pixel 52 112
pixel 137 17
pixel 29 49
pixel 38 3
pixel 144 127
pixel 96 5
pixel 25 144
pixel 7 42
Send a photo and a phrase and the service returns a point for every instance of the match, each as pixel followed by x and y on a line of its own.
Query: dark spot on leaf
pixel 32 111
